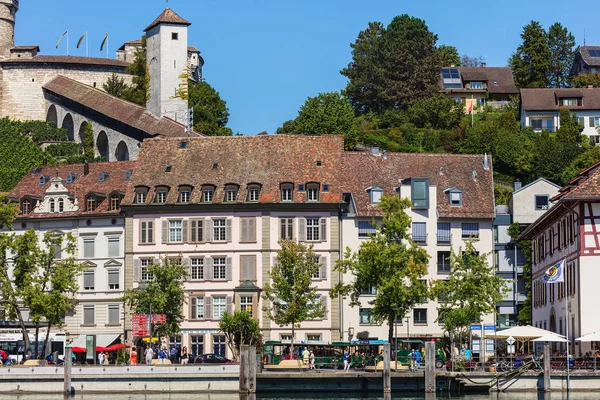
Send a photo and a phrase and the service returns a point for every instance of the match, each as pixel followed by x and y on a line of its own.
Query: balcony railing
pixel 443 268
pixel 551 129
pixel 444 238
pixel 420 239
pixel 497 104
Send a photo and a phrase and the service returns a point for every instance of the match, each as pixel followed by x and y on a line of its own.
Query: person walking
pixel 100 358
pixel 184 356
pixel 346 360
pixel 162 354
pixel 312 360
pixel 305 356
pixel 173 355
pixel 149 353
pixel 417 360
pixel 133 357
pixel 413 360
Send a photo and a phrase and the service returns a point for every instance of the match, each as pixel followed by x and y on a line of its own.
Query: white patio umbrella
pixel 553 337
pixel 590 337
pixel 522 333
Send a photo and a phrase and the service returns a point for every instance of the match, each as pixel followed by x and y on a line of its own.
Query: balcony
pixel 444 239
pixel 420 239
pixel 538 129
pixel 444 268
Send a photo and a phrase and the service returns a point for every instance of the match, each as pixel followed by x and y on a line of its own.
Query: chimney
pixel 451 65
pixel 483 64
pixel 517 184
pixel 486 164
pixel 86 169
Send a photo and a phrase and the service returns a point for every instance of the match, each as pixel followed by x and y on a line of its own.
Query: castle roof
pixel 168 17
pixel 41 59
pixel 113 107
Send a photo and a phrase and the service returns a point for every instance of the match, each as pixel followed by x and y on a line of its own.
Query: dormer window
pixel 115 201
pixel 161 195
pixel 61 205
pixel 375 194
pixel 51 205
pixel 25 206
pixel 454 197
pixel 44 179
pixel 71 178
pixel 91 203
pixel 185 193
pixel 570 101
pixel 476 85
pixel 420 193
pixel 231 193
pixel 103 176
pixel 253 193
pixel 312 192
pixel 287 192
pixel 208 193
pixel 140 195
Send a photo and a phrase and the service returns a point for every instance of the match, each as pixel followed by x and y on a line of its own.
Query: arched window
pixel 231 192
pixel 51 202
pixel 91 203
pixel 312 190
pixel 115 201
pixel 61 205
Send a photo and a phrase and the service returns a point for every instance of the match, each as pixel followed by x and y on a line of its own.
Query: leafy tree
pixel 163 294
pixel 438 112
pixel 531 62
pixel 291 295
pixel 502 195
pixel 449 56
pixel 467 61
pixel 392 66
pixel 390 263
pixel 589 157
pixel 88 142
pixel 115 86
pixel 561 44
pixel 471 291
pixel 524 316
pixel 139 90
pixel 240 329
pixel 327 114
pixel 210 111
pixel 585 80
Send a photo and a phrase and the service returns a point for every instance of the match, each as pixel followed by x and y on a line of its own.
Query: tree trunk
pixel 292 345
pixel 46 342
pixel 27 344
pixel 37 340
pixel 391 320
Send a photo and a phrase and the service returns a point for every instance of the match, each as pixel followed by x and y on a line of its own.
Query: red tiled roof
pixel 83 185
pixel 363 170
pixel 41 59
pixel 168 17
pixel 585 186
pixel 31 47
pixel 113 107
pixel 266 160
pixel 547 99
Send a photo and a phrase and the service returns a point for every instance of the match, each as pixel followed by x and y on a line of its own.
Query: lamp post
pixel 407 328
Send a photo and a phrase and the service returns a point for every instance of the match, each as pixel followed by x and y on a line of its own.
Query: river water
pixel 293 396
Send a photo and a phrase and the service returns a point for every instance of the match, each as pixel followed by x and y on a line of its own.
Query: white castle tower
pixel 8 11
pixel 167 55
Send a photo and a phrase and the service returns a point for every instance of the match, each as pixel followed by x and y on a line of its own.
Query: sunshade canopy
pixel 101 340
pixel 553 337
pixel 590 337
pixel 521 333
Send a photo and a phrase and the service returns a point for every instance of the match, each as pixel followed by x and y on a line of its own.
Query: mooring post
pixel 67 370
pixel 387 377
pixel 547 369
pixel 252 364
pixel 244 369
pixel 429 367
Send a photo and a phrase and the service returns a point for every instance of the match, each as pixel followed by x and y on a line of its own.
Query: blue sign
pixel 489 328
pixel 475 327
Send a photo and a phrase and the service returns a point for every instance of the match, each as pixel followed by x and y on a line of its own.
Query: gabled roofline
pixel 536 181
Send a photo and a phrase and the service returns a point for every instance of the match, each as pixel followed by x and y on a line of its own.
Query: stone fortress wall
pixel 8 10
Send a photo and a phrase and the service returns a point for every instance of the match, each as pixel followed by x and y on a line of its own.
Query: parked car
pixel 211 359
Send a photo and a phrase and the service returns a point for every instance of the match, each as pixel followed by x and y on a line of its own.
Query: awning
pixel 101 340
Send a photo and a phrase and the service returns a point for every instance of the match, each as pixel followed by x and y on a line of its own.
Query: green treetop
pixel 531 62
pixel 210 111
pixel 390 263
pixel 240 329
pixel 449 56
pixel 562 52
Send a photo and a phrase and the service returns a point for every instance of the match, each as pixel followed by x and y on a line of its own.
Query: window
pixel 423 283
pixel 231 194
pixel 114 246
pixel 455 198
pixel 175 231
pixel 253 192
pixel 219 345
pixel 313 337
pixel 317 274
pixel 370 290
pixel 476 85
pixel 419 232
pixel 114 314
pixel 88 280
pixel 365 228
pixel 25 207
pixel 246 304
pixel 375 195
pixel 51 204
pixel 140 195
pixel 312 190
pixel 161 196
pixel 541 202
pixel 197 308
pixel 197 344
pixel 184 194
pixel 536 124
pixel 443 262
pixel 113 279
pixel 197 230
pixel 88 247
pixel 219 268
pixel 197 269
pixel 420 316
pixel 286 228
pixel 115 201
pixel 219 307
pixel 174 36
pixel 570 101
pixel 365 316
pixel 470 231
pixel 145 273
pixel 420 193
pixel 91 203
pixel 596 121
pixel 443 233
pixel 248 229
pixel 312 229
pixel 287 192
pixel 61 205
pixel 146 231
pixel 219 230
pixel 88 315
pixel 207 194
pixel 285 337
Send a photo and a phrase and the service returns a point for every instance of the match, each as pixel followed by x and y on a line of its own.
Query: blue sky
pixel 265 57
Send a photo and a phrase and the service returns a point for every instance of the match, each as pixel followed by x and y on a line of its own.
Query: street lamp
pixel 407 320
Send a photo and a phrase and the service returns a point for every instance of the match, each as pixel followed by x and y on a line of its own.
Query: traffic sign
pixel 511 340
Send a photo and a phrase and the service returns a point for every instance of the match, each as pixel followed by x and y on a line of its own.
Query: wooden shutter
pixel 208 307
pixel 208 268
pixel 252 229
pixel 229 303
pixel 243 229
pixel 185 229
pixel 244 268
pixel 193 237
pixel 137 270
pixel 255 306
pixel 228 230
pixel 208 231
pixel 323 269
pixel 193 307
pixel 323 230
pixel 324 302
pixel 140 230
pixel 165 231
pixel 228 271
pixel 591 122
pixel 302 230
pixel 248 268
pixel 156 261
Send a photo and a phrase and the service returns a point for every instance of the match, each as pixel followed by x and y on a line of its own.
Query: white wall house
pixel 452 197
